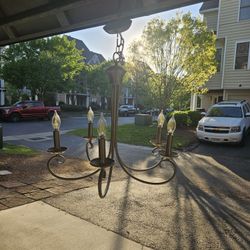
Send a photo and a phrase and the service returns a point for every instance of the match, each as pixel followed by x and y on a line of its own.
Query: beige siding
pixel 235 79
pixel 228 12
pixel 214 82
pixel 238 95
pixel 211 20
pixel 234 31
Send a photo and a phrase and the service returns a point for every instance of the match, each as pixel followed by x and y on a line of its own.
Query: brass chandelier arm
pixel 125 169
pixel 102 176
pixel 66 178
pixel 87 149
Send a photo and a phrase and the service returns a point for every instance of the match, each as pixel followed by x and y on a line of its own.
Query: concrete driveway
pixel 206 206
pixel 233 157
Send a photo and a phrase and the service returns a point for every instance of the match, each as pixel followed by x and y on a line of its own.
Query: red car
pixel 27 109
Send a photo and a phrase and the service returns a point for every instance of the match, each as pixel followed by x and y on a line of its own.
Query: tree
pixel 42 65
pixel 98 81
pixel 181 53
pixel 137 76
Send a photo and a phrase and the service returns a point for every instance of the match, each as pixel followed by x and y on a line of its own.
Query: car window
pixel 18 104
pixel 37 104
pixel 234 112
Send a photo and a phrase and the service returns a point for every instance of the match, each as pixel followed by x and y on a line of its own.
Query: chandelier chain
pixel 118 56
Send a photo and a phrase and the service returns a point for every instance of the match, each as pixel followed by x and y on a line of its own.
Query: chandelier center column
pixel 115 73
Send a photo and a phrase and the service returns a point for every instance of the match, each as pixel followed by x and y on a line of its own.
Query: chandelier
pixel 104 163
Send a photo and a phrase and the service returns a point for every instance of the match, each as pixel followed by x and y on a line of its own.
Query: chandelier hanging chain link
pixel 118 56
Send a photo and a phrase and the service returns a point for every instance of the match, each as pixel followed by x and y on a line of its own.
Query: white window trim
pixel 239 3
pixel 224 63
pixel 235 50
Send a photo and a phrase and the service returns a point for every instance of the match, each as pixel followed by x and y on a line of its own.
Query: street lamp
pixel 105 162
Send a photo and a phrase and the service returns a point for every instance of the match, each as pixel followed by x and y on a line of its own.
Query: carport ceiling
pixel 22 20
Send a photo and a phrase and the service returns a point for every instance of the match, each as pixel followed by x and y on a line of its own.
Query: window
pixel 244 10
pixel 242 56
pixel 218 59
pixel 198 104
pixel 235 112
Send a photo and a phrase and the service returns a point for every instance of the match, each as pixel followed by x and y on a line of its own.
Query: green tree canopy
pixel 137 76
pixel 181 52
pixel 42 65
pixel 98 81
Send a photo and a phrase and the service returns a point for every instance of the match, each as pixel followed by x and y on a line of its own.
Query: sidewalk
pixel 40 226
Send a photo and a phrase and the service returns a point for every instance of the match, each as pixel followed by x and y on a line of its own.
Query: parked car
pixel 27 109
pixel 126 110
pixel 153 111
pixel 227 121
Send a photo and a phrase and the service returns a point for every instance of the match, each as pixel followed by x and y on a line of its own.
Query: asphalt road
pixel 40 126
pixel 38 134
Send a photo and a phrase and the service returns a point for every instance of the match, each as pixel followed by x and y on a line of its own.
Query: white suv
pixel 227 121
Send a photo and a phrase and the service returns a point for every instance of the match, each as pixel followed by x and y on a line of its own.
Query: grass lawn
pixel 17 150
pixel 141 135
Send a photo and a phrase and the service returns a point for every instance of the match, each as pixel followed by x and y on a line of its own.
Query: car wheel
pixel 15 117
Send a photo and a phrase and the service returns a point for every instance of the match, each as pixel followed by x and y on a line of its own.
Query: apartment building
pixel 230 21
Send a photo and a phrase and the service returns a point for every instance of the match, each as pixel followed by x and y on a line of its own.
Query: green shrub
pixel 185 118
pixel 195 116
pixel 182 118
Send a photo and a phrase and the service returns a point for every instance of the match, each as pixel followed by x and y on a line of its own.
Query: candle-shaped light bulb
pixel 171 126
pixel 56 121
pixel 90 123
pixel 101 126
pixel 90 115
pixel 161 119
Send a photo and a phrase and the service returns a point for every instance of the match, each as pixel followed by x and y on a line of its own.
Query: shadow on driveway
pixel 236 158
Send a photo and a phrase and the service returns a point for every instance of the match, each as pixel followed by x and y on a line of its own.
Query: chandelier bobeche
pixel 104 163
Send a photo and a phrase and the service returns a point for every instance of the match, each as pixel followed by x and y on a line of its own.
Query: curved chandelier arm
pixel 102 175
pixel 66 178
pixel 174 166
pixel 154 149
pixel 134 169
pixel 90 145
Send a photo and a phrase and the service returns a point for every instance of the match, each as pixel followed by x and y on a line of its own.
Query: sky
pixel 97 40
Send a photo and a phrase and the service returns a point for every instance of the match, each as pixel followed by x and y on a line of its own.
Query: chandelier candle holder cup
pixel 105 162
